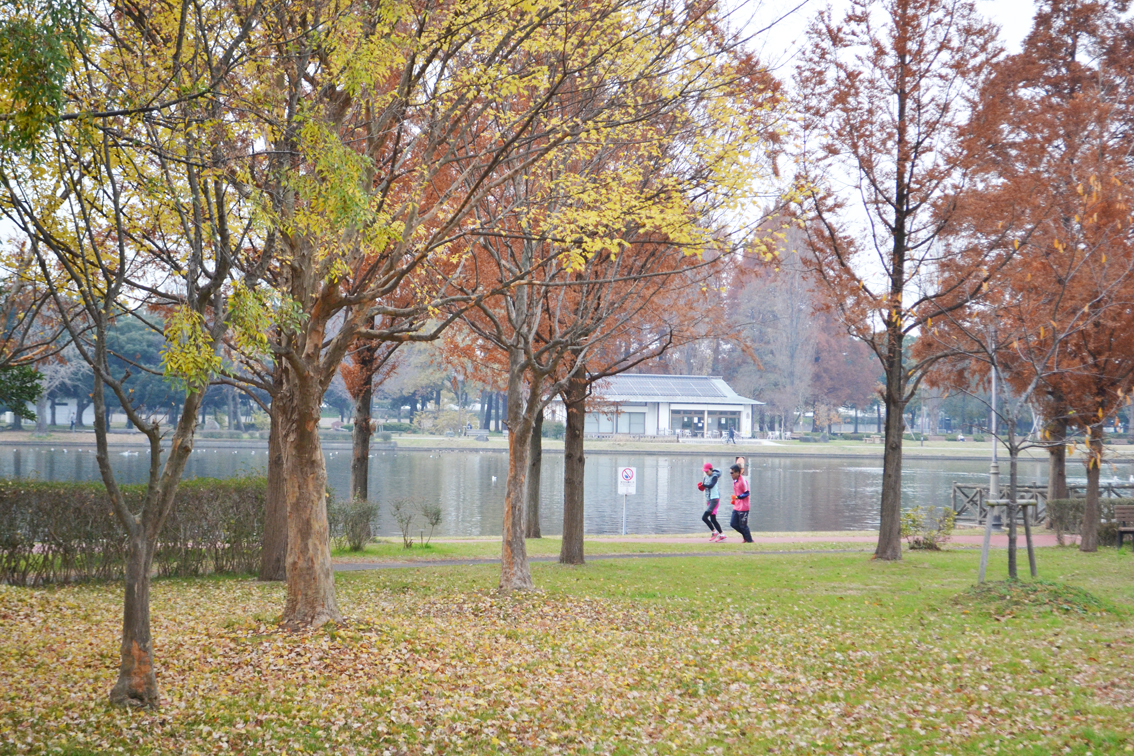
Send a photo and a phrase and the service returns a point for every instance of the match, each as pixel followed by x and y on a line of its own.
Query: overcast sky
pixel 1014 17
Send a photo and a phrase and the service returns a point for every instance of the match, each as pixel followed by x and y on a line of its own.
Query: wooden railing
pixel 971 501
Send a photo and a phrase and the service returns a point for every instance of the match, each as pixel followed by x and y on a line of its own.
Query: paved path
pixel 999 539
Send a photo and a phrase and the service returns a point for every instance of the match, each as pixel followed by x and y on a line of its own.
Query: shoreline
pixel 848 450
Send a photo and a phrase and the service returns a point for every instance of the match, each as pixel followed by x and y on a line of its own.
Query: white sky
pixel 1014 17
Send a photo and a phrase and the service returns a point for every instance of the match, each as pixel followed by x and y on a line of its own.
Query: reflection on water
pixel 789 493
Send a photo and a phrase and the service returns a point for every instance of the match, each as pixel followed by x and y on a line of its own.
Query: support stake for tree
pixel 987 540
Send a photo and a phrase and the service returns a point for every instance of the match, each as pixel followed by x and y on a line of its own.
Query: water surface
pixel 789 493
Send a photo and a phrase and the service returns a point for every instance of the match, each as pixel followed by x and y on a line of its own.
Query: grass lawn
pixel 388 549
pixel 789 654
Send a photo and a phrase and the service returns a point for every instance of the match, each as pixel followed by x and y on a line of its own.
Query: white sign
pixel 627 481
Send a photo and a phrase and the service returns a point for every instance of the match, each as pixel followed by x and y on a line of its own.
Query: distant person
pixel 740 503
pixel 960 436
pixel 72 422
pixel 711 485
pixel 731 437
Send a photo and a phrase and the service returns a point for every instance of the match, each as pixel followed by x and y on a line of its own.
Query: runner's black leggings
pixel 710 517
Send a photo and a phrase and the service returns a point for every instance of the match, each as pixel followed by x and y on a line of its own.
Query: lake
pixel 789 493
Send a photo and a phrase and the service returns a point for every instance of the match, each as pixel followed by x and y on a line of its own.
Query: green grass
pixel 788 654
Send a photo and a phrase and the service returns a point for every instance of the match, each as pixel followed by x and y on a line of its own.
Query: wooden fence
pixel 970 502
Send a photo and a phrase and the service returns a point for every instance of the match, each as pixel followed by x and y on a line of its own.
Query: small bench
pixel 1124 516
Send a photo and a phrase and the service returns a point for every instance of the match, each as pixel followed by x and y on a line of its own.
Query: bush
pixel 553 429
pixel 350 522
pixel 398 427
pixel 385 436
pixel 1066 516
pixel 59 532
pixel 431 513
pixel 924 529
pixel 979 438
pixel 404 511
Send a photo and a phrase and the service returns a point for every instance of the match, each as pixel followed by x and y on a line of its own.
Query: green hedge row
pixel 61 532
pixel 1066 517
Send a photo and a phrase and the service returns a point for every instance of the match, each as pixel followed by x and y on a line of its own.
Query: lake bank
pixel 340 441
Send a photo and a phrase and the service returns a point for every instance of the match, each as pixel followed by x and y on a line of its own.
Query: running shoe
pixel 722 538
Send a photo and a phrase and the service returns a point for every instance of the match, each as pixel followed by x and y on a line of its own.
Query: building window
pixel 723 420
pixel 690 422
pixel 623 422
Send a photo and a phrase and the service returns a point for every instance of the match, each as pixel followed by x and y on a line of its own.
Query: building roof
pixel 635 388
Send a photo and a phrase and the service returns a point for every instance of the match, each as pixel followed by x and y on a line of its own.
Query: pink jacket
pixel 740 496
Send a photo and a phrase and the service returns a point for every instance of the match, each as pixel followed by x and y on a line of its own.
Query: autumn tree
pixel 1062 107
pixel 385 127
pixel 885 93
pixel 127 209
pixel 370 363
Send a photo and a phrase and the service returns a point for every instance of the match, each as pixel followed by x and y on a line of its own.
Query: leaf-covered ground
pixel 815 653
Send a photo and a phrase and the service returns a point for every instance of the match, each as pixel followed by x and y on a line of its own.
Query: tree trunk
pixel 878 418
pixel 535 462
pixel 80 410
pixel 273 550
pixel 1089 530
pixel 890 515
pixel 1057 460
pixel 310 580
pixel 574 462
pixel 515 574
pixel 137 682
pixel 360 459
pixel 856 419
pixel 41 414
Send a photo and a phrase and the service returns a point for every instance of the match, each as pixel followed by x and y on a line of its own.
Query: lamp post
pixel 994 468
pixel 993 473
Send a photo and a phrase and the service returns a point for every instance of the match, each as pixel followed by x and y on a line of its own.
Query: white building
pixel 658 405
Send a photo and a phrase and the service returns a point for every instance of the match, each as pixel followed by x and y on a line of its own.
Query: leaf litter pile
pixel 456 669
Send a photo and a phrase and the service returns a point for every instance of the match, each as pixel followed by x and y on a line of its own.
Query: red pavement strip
pixel 999 540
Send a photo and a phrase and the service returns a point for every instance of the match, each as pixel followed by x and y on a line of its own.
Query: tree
pixel 1063 111
pixel 371 363
pixel 885 96
pixel 20 386
pixel 52 374
pixel 127 212
pixel 377 156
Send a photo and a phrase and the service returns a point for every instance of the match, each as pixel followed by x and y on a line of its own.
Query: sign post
pixel 627 485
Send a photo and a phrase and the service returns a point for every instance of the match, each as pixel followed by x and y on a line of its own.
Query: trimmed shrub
pixel 61 532
pixel 553 429
pixel 1066 516
pixel 399 427
pixel 350 521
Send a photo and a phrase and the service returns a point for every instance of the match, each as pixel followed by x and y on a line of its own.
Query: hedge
pixel 1066 516
pixel 61 532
